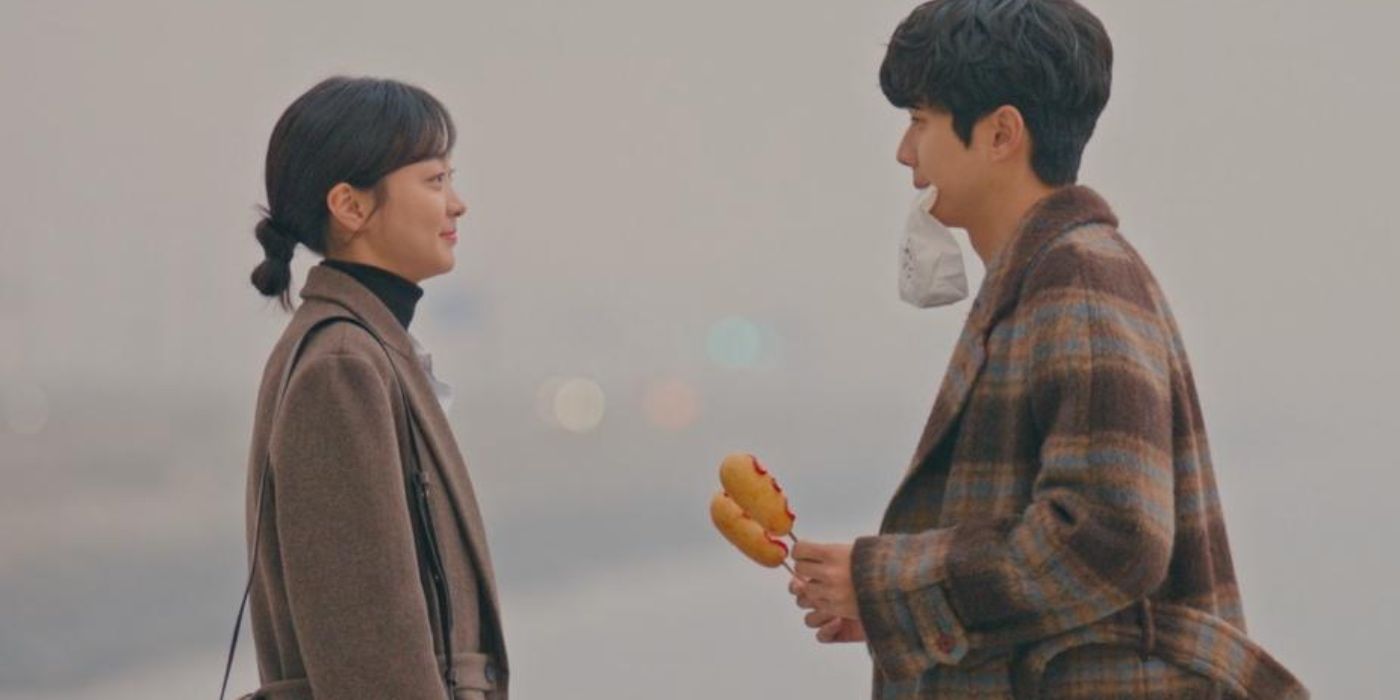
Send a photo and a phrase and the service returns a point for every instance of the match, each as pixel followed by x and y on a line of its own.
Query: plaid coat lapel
pixel 1054 216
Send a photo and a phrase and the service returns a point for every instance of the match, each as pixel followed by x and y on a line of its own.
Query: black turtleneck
pixel 397 293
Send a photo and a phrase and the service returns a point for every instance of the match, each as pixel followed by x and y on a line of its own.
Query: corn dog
pixel 745 533
pixel 757 493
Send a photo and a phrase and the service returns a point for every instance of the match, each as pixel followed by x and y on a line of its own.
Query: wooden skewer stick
pixel 792 536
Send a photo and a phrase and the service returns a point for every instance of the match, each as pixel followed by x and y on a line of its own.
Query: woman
pixel 371 575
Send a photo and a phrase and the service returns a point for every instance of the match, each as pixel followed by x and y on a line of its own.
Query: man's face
pixel 936 156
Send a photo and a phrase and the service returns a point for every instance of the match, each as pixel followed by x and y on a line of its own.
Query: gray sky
pixel 660 191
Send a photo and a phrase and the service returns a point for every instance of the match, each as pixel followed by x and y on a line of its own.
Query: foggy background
pixel 682 242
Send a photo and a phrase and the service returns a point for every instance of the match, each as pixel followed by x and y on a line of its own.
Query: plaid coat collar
pixel 1063 210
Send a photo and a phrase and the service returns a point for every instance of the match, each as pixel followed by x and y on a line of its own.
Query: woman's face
pixel 414 227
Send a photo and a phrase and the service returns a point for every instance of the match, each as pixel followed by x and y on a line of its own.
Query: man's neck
pixel 1002 216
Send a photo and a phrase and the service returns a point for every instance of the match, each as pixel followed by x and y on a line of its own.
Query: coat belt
pixel 1186 637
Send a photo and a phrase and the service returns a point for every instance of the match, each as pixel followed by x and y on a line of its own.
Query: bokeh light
pixel 579 405
pixel 672 404
pixel 735 342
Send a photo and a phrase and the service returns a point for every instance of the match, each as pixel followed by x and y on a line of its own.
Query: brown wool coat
pixel 338 610
pixel 1059 532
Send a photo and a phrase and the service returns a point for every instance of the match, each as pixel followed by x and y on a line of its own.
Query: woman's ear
pixel 350 208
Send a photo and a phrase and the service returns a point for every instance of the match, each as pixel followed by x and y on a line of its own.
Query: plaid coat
pixel 1059 532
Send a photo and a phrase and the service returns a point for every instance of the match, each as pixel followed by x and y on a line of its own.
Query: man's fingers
pixel 802 550
pixel 830 631
pixel 809 551
pixel 818 619
pixel 817 595
pixel 808 571
pixel 799 590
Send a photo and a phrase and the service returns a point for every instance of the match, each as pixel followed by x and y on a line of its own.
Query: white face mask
pixel 930 262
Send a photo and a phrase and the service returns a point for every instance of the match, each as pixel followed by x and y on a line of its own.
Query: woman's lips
pixel 451 236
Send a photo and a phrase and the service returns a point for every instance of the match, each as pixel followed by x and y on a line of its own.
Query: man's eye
pixel 440 178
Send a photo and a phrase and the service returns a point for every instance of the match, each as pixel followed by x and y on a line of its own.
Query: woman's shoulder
pixel 327 338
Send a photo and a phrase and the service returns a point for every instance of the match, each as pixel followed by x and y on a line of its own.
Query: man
pixel 1059 532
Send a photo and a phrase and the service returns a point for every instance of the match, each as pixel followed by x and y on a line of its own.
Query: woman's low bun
pixel 273 276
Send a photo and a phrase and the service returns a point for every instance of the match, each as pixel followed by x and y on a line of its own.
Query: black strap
pixel 426 541
pixel 425 534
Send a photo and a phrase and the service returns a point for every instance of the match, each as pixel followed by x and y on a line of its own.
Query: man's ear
pixel 350 208
pixel 1006 132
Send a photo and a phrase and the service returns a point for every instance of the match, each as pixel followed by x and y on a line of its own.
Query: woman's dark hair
pixel 1050 59
pixel 352 130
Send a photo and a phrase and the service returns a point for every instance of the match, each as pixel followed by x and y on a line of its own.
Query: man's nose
pixel 906 154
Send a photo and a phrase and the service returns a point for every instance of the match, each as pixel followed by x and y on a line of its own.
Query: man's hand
pixel 835 630
pixel 825 570
pixel 830 628
pixel 823 586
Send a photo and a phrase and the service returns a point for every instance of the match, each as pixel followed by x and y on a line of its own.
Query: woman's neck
pixel 397 293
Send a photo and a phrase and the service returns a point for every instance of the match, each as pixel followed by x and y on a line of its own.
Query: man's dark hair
pixel 1050 59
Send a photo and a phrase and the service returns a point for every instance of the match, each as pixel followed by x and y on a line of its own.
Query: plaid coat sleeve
pixel 1098 530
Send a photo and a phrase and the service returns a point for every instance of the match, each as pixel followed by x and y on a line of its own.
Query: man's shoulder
pixel 1095 259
